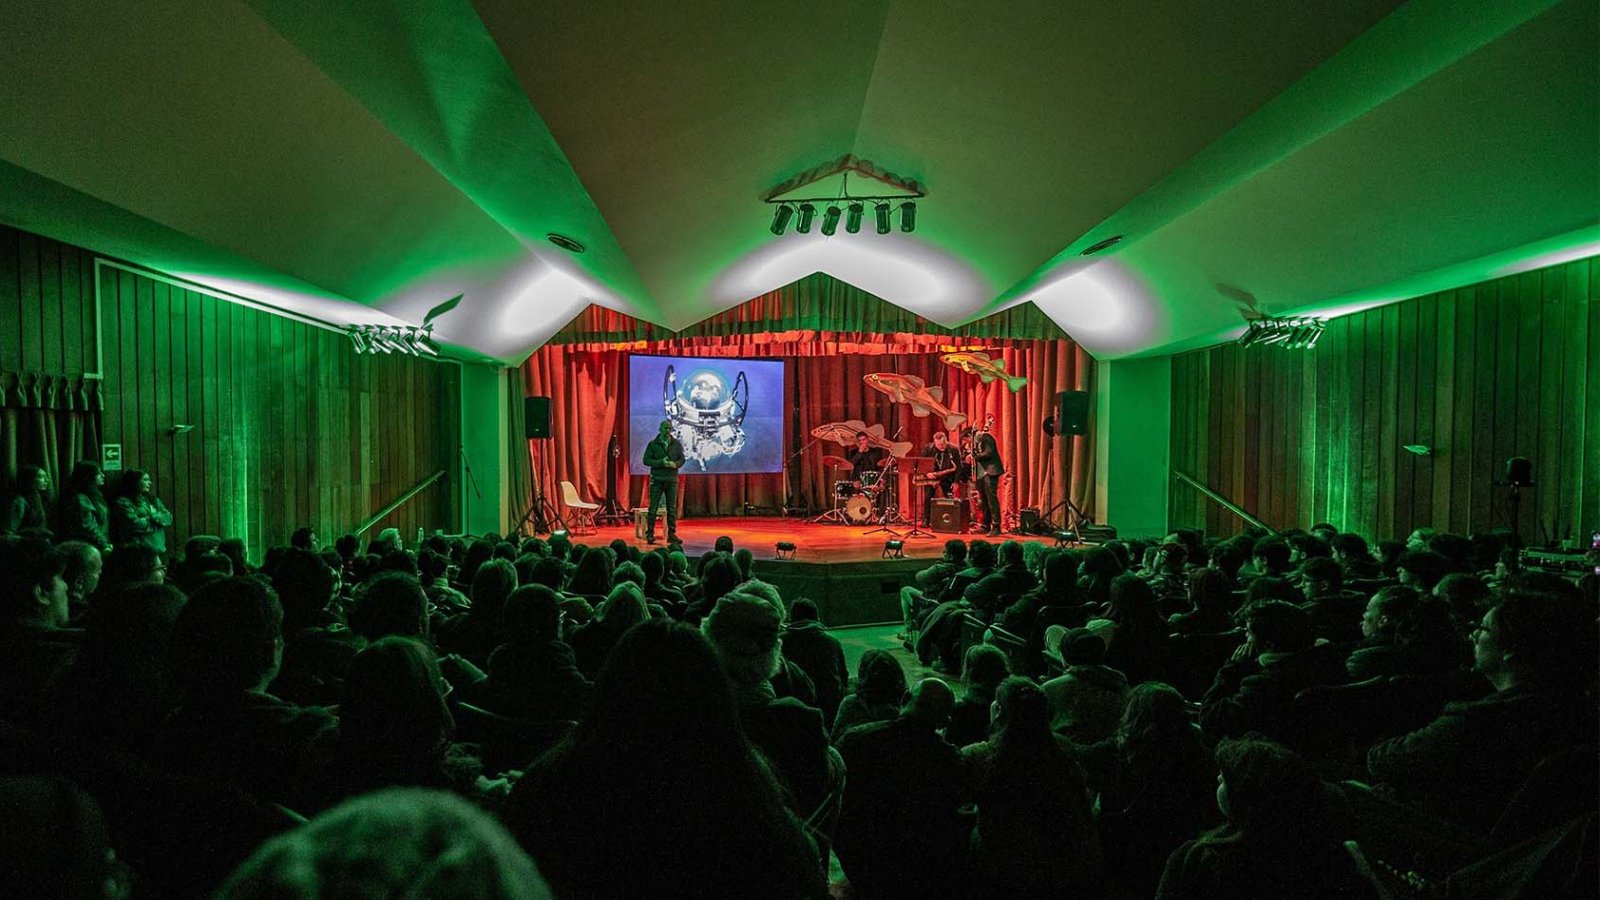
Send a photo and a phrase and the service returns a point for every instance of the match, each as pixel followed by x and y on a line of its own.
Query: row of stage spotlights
pixel 804 214
pixel 384 339
pixel 1299 333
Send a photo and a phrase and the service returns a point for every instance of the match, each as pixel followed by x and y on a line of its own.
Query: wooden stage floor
pixel 821 543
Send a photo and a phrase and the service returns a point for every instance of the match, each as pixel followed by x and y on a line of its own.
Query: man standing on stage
pixel 986 463
pixel 942 478
pixel 664 456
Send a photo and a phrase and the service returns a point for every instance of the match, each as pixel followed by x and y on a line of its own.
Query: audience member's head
pixel 1155 724
pixel 723 544
pixel 305 586
pixel 1350 548
pixel 477 553
pixel 1011 555
pixel 1421 569
pixel 1271 556
pixel 392 707
pixel 1325 532
pixel 491 585
pixel 955 551
pixel 592 576
pixel 1101 563
pixel 1021 717
pixel 1271 587
pixel 550 572
pixel 744 631
pixel 1418 539
pixel 228 639
pixel 347 546
pixel 624 607
pixel 982 670
pixel 1387 609
pixel 720 576
pixel 432 566
pixel 400 842
pixel 83 567
pixel 879 678
pixel 1542 641
pixel 532 615
pixel 1059 576
pixel 305 538
pixel 628 572
pixel 1133 605
pixel 1279 627
pixel 1228 558
pixel 1210 590
pixel 234 549
pixel 132 564
pixel 930 701
pixel 390 603
pixel 1272 799
pixel 1321 577
pixel 33 592
pixel 1469 598
pixel 981 554
pixel 804 610
pixel 55 843
pixel 1082 647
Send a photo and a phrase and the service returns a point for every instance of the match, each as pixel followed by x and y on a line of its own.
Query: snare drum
pixel 858 510
pixel 870 481
pixel 844 490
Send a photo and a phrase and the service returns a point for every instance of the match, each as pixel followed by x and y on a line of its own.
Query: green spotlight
pixel 830 220
pixel 852 219
pixel 908 216
pixel 780 218
pixel 881 212
pixel 807 213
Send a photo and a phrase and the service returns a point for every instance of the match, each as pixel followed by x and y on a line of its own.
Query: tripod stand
pixel 1074 517
pixel 539 514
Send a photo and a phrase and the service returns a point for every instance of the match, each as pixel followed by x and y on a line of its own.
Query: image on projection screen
pixel 727 413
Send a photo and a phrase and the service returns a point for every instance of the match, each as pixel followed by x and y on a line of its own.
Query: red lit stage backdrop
pixel 584 372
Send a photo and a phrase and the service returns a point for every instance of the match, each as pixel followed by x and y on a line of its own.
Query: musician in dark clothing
pixel 864 457
pixel 941 479
pixel 664 456
pixel 986 463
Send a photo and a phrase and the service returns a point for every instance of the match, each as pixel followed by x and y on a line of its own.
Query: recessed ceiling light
pixel 564 242
pixel 1097 247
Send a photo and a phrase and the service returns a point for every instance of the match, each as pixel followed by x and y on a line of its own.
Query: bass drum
pixel 858 510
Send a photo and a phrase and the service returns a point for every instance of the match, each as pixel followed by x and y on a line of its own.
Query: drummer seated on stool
pixel 865 458
pixel 914 601
pixel 941 479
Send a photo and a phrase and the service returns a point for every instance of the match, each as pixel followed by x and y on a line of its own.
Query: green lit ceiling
pixel 363 161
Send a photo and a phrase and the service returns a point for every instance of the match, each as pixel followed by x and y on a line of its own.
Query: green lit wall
pixel 1502 368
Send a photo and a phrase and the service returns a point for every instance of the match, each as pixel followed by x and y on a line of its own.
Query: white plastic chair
pixel 582 510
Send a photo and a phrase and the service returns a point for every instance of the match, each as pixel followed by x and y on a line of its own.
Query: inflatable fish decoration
pixel 987 369
pixel 913 391
pixel 844 434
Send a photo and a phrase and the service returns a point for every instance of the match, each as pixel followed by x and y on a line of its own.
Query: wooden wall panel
pixel 291 427
pixel 1505 368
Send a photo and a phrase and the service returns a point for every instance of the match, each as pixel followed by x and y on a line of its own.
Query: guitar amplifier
pixel 949 515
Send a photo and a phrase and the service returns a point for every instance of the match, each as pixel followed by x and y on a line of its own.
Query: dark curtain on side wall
pixel 823 383
pixel 47 420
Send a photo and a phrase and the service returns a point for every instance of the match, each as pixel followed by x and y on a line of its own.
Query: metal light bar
pixel 1294 333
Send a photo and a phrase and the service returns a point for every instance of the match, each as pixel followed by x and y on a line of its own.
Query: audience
pixel 85 515
pixel 139 518
pixel 1255 690
pixel 880 686
pixel 807 644
pixel 1210 604
pixel 533 674
pixel 1087 700
pixel 982 670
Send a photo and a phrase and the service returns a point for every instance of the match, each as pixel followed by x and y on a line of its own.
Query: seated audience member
pixel 1210 605
pixel 1264 588
pixel 1304 547
pixel 982 559
pixel 806 643
pixel 880 686
pixel 1281 838
pixel 1352 554
pixel 390 603
pixel 1058 586
pixel 656 589
pixel 1406 634
pixel 1389 553
pixel 1256 689
pixel 394 727
pixel 658 793
pixel 623 608
pixel 476 554
pixel 82 574
pixel 790 680
pixel 1006 583
pixel 132 564
pixel 744 631
pixel 745 559
pixel 592 577
pixel 1134 631
pixel 1538 651
pixel 723 544
pixel 917 599
pixel 1228 558
pixel 1419 537
pixel 119 688
pixel 1168 579
pixel 1035 836
pixel 1268 558
pixel 1335 613
pixel 57 845
pixel 1154 782
pixel 317 647
pixel 36 646
pixel 1468 599
pixel 1324 532
pixel 1100 568
pixel 224 651
pixel 400 842
pixel 719 577
pixel 444 601
pixel 534 674
pixel 477 633
pixel 984 667
pixel 85 515
pixel 1420 570
pixel 1086 701
pixel 234 549
pixel 899 833
pixel 1455 549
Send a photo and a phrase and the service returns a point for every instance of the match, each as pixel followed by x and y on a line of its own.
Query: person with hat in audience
pixel 1086 701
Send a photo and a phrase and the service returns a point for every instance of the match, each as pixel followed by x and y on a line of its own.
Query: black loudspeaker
pixel 536 417
pixel 1519 471
pixel 949 515
pixel 1028 521
pixel 1072 414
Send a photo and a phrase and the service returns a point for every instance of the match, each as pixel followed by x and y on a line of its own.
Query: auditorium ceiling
pixel 362 162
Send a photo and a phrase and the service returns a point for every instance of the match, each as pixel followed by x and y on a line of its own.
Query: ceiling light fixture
pixel 1101 245
pixel 881 213
pixel 830 220
pixel 781 217
pixel 838 201
pixel 807 213
pixel 908 217
pixel 1292 333
pixel 372 340
pixel 852 219
pixel 564 242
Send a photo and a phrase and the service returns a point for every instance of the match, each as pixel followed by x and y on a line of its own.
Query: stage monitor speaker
pixel 536 417
pixel 1072 413
pixel 1028 521
pixel 949 516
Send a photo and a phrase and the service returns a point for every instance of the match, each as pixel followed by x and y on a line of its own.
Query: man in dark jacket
pixel 807 643
pixel 1538 651
pixel 1255 690
pixel 664 456
pixel 899 830
pixel 916 601
pixel 534 674
pixel 1010 581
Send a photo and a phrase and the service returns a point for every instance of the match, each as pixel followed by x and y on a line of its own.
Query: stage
pixel 842 567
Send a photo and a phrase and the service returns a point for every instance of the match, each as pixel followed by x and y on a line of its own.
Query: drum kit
pixel 871 499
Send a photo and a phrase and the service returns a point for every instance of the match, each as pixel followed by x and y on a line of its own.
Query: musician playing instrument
pixel 942 479
pixel 865 458
pixel 986 466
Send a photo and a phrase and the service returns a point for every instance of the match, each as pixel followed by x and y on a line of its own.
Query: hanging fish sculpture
pixel 844 434
pixel 987 369
pixel 913 391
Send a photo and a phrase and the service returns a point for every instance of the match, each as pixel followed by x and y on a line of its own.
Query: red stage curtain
pixel 589 402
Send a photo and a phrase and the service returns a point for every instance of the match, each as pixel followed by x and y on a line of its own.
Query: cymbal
pixel 835 462
pixel 916 459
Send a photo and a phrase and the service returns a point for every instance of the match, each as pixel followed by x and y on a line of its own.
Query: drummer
pixel 864 457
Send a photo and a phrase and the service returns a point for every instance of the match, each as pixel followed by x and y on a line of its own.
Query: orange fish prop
pixel 913 391
pixel 987 369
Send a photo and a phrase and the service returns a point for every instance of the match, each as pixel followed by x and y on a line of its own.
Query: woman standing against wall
pixel 140 517
pixel 84 513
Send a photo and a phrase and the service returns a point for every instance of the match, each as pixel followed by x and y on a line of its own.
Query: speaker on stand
pixel 1071 419
pixel 536 427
